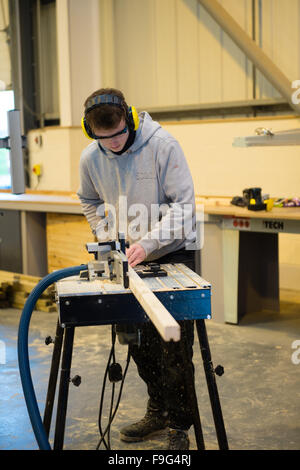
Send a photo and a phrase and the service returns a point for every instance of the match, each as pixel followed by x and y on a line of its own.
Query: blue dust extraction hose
pixel 23 353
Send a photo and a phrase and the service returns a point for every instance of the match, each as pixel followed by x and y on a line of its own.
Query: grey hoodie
pixel 152 174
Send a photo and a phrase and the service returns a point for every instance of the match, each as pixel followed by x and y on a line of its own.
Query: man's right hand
pixel 135 254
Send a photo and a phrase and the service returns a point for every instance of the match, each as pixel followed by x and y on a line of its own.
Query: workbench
pixel 240 257
pixel 82 302
pixel 24 243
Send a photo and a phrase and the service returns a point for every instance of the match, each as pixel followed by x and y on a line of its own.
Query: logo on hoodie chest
pixel 145 175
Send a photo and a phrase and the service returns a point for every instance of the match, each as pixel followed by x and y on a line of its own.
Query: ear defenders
pixel 131 115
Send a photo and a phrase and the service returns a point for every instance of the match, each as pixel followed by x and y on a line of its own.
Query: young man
pixel 134 163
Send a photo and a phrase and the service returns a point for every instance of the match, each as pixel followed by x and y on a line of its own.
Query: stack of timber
pixel 15 288
pixel 67 236
pixel 5 294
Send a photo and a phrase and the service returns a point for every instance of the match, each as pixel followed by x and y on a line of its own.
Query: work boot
pixel 178 440
pixel 152 423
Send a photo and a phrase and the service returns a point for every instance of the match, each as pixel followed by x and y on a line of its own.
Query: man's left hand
pixel 135 254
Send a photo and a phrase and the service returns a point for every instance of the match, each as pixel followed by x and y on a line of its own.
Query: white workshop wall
pixel 218 168
pixel 5 66
pixel 57 150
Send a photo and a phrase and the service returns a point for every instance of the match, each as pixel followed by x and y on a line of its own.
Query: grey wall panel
pixel 10 241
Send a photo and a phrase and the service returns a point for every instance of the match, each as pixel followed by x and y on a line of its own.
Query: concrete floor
pixel 259 392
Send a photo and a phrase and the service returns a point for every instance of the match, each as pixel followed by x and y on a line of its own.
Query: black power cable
pixel 114 371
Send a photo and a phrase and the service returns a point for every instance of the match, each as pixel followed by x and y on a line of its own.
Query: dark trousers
pixel 160 364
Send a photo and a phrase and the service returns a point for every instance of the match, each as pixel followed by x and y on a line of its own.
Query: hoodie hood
pixel 147 127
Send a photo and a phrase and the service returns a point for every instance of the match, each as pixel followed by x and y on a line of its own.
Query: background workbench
pixel 49 230
pixel 240 257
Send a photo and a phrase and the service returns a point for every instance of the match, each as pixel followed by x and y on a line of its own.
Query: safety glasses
pixel 123 131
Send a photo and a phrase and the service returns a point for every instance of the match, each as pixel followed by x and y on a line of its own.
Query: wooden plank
pixel 22 282
pixel 47 309
pixel 6 276
pixel 11 276
pixel 165 324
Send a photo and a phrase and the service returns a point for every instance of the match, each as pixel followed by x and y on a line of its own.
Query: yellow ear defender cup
pixel 85 128
pixel 132 117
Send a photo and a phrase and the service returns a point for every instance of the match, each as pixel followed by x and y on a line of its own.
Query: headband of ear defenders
pixel 132 118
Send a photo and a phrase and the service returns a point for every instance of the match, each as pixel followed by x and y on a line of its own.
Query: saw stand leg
pixel 53 376
pixel 65 339
pixel 66 334
pixel 190 387
pixel 211 384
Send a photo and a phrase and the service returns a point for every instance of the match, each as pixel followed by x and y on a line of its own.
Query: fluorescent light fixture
pixel 266 138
